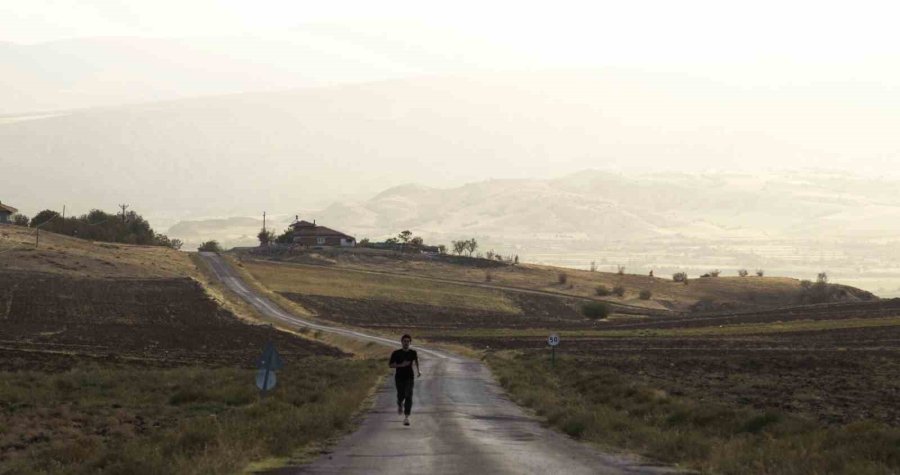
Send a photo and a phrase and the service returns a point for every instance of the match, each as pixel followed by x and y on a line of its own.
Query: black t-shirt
pixel 401 356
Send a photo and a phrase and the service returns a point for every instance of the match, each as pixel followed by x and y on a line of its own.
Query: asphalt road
pixel 461 423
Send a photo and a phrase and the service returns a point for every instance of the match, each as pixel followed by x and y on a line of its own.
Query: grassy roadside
pixel 714 330
pixel 96 419
pixel 598 404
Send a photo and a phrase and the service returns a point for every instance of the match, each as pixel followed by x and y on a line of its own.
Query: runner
pixel 402 360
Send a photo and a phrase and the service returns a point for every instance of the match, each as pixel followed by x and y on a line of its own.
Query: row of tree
pixel 127 228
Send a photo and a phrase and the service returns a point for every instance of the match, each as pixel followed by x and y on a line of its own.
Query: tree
pixel 743 273
pixel 20 219
pixel 210 246
pixel 43 218
pixel 680 277
pixel 516 261
pixel 459 247
pixel 715 273
pixel 405 236
pixel 364 243
pixel 822 278
pixel 287 237
pixel 595 310
pixel 593 266
pixel 760 273
pixel 490 254
pixel 417 242
pixel 265 237
pixel 620 270
pixel 442 249
pixel 163 240
pixel 471 246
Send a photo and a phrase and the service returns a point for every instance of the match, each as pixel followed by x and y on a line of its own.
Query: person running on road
pixel 402 360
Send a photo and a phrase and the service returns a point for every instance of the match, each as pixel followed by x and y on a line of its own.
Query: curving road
pixel 461 423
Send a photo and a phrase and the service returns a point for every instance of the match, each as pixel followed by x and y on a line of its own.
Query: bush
pixel 602 291
pixel 646 294
pixel 20 220
pixel 743 273
pixel 619 290
pixel 595 310
pixel 714 273
pixel 679 277
pixel 760 273
pixel 210 246
pixel 562 277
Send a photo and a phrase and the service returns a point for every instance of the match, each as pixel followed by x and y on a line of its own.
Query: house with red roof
pixel 312 235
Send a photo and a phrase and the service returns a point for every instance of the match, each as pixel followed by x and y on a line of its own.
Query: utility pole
pixel 264 221
pixel 64 212
pixel 124 207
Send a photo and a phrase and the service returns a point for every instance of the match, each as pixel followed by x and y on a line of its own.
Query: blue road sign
pixel 270 359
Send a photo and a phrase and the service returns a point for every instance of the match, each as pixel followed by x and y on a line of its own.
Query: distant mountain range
pixel 299 150
pixel 605 206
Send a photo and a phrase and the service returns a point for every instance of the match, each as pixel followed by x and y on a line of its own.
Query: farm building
pixel 310 234
pixel 6 212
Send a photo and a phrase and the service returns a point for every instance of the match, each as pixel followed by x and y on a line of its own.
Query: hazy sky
pixel 721 85
pixel 562 32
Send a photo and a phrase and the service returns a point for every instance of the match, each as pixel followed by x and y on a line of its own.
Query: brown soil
pixel 836 376
pixel 52 321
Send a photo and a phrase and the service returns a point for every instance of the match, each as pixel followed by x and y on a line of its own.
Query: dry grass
pixel 592 402
pixel 188 420
pixel 715 330
pixel 666 294
pixel 80 258
pixel 338 283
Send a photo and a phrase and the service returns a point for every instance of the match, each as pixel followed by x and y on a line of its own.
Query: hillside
pixel 320 145
pixel 668 298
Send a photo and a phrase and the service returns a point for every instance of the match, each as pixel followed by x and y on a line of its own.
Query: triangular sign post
pixel 268 364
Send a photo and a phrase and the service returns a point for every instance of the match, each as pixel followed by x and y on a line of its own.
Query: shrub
pixel 743 273
pixel 210 246
pixel 562 277
pixel 619 290
pixel 595 310
pixel 20 219
pixel 646 294
pixel 760 273
pixel 679 277
pixel 714 273
pixel 602 291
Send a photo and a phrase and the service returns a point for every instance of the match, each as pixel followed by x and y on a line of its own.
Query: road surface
pixel 461 423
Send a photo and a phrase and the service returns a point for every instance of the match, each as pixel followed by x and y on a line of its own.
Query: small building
pixel 313 235
pixel 6 212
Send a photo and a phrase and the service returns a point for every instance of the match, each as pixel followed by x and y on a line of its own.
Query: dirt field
pixel 147 321
pixel 836 374
pixel 700 294
pixel 116 359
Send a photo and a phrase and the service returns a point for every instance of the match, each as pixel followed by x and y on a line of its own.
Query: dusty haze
pixel 655 136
